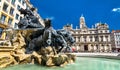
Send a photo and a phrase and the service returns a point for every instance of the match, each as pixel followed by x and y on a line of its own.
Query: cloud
pixel 52 18
pixel 116 9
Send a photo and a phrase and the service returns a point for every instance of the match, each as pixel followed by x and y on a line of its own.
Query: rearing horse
pixel 43 40
pixel 59 43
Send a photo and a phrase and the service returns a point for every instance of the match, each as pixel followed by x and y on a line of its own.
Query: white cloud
pixel 116 9
pixel 52 18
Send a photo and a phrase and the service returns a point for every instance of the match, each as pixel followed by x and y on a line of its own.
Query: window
pixel 3 17
pixel 106 31
pixel 10 21
pixel 106 38
pixel 19 1
pixel 101 38
pixel 1 31
pixel 23 2
pixel 97 47
pixel 17 16
pixel 18 7
pixel 90 32
pixel 5 6
pixel 8 0
pixel 75 39
pixel 84 38
pixel 20 18
pixel 96 38
pixel 78 39
pixel 90 38
pixel 11 11
pixel 13 2
pixel 15 26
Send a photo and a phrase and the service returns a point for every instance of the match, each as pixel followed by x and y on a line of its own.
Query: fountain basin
pixel 82 63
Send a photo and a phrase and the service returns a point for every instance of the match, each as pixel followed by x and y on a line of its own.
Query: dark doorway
pixel 85 47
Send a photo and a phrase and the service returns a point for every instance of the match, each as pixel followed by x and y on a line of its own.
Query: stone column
pixel 99 38
pixel 104 39
pixel 108 38
pixel 105 47
pixel 110 48
pixel 95 48
pixel 76 39
pixel 100 47
pixel 89 47
pixel 93 38
pixel 77 47
pixel 88 38
pixel 82 40
pixel 82 47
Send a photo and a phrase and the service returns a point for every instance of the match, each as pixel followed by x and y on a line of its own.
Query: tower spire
pixel 82 22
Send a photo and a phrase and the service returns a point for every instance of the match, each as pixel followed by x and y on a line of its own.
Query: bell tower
pixel 82 22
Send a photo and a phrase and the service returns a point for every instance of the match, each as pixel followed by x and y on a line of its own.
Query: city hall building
pixel 95 39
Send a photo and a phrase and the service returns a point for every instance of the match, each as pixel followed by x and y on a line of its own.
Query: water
pixel 81 63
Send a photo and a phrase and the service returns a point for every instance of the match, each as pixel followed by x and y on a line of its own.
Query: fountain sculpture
pixel 36 44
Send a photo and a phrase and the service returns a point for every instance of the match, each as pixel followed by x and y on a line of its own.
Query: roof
pixel 68 25
pixel 115 31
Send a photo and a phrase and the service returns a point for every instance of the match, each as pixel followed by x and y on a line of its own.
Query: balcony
pixel 3 24
pixel 5 46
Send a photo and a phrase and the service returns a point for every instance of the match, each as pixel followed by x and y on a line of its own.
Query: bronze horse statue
pixel 46 36
pixel 29 20
pixel 49 39
pixel 58 42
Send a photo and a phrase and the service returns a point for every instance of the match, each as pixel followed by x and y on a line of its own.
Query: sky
pixel 62 12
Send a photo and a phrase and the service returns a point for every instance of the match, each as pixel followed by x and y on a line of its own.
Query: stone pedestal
pixel 45 56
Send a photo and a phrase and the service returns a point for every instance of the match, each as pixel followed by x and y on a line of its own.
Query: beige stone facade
pixel 10 15
pixel 95 39
pixel 115 38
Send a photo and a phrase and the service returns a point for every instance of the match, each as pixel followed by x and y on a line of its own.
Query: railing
pixel 5 24
pixel 6 48
pixel 2 22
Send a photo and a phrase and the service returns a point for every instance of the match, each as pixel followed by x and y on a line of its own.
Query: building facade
pixel 115 38
pixel 9 12
pixel 10 15
pixel 95 39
